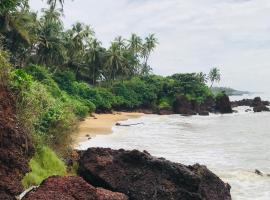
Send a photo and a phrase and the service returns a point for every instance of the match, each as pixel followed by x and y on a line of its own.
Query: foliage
pixel 214 75
pixel 44 164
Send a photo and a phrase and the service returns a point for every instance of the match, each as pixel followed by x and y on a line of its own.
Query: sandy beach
pixel 100 124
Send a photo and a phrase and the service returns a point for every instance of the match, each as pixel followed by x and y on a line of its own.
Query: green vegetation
pixel 214 75
pixel 44 164
pixel 60 75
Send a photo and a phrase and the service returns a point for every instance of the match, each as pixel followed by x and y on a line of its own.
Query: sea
pixel 233 146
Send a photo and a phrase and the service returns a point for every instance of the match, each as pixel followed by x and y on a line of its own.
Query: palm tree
pixel 50 48
pixel 121 42
pixel 115 60
pixel 214 75
pixel 77 39
pixel 135 44
pixel 93 56
pixel 149 46
pixel 53 3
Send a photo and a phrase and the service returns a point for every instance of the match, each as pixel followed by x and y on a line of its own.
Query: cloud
pixel 194 35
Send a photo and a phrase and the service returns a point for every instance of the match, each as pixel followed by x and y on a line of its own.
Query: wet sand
pixel 100 124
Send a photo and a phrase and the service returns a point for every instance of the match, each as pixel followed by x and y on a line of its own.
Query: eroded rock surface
pixel 15 148
pixel 143 177
pixel 71 188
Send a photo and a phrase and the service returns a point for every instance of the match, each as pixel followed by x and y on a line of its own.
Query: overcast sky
pixel 194 35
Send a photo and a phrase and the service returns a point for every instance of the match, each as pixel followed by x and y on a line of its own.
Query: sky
pixel 193 35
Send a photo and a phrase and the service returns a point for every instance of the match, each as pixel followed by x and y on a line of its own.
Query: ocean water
pixel 231 145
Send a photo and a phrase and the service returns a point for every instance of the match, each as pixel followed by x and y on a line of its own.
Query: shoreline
pixel 100 124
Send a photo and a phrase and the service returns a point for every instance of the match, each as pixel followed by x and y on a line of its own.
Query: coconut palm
pixel 135 44
pixel 214 75
pixel 50 48
pixel 94 58
pixel 115 60
pixel 149 46
pixel 53 3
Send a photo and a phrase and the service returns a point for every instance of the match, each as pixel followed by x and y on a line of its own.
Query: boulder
pixel 165 111
pixel 16 148
pixel 204 113
pixel 208 105
pixel 223 104
pixel 250 102
pixel 261 108
pixel 183 106
pixel 143 177
pixel 71 188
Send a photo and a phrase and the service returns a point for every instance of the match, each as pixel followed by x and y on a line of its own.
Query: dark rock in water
pixel 182 105
pixel 165 111
pixel 210 180
pixel 256 103
pixel 259 105
pixel 15 148
pixel 71 188
pixel 143 177
pixel 261 108
pixel 208 104
pixel 223 104
pixel 258 172
pixel 204 113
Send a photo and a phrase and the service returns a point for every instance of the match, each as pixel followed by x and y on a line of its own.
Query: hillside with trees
pixel 59 76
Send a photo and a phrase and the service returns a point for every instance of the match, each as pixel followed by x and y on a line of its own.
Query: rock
pixel 15 148
pixel 250 102
pixel 261 108
pixel 165 111
pixel 143 177
pixel 208 104
pixel 71 188
pixel 258 172
pixel 223 104
pixel 182 105
pixel 204 113
pixel 210 181
pixel 259 105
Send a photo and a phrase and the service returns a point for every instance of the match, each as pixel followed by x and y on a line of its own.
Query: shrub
pixel 165 103
pixel 4 67
pixel 44 164
pixel 65 80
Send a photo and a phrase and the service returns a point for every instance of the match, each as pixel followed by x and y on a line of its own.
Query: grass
pixel 44 164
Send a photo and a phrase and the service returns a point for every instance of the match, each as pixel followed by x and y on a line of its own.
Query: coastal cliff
pixel 15 148
pixel 123 174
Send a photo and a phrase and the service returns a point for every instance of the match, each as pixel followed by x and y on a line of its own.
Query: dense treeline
pixel 44 41
pixel 61 75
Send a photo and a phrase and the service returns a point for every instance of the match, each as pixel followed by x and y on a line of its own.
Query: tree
pixel 149 46
pixel 50 47
pixel 214 75
pixel 53 3
pixel 115 60
pixel 202 77
pixel 94 57
pixel 76 42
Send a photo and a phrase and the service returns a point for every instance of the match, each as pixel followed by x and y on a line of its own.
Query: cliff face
pixel 143 177
pixel 15 148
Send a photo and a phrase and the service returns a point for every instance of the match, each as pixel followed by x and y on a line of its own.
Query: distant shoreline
pixel 100 124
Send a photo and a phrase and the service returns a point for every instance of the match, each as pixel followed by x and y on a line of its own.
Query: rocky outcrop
pixel 15 148
pixel 183 106
pixel 143 177
pixel 71 188
pixel 165 111
pixel 257 104
pixel 223 104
